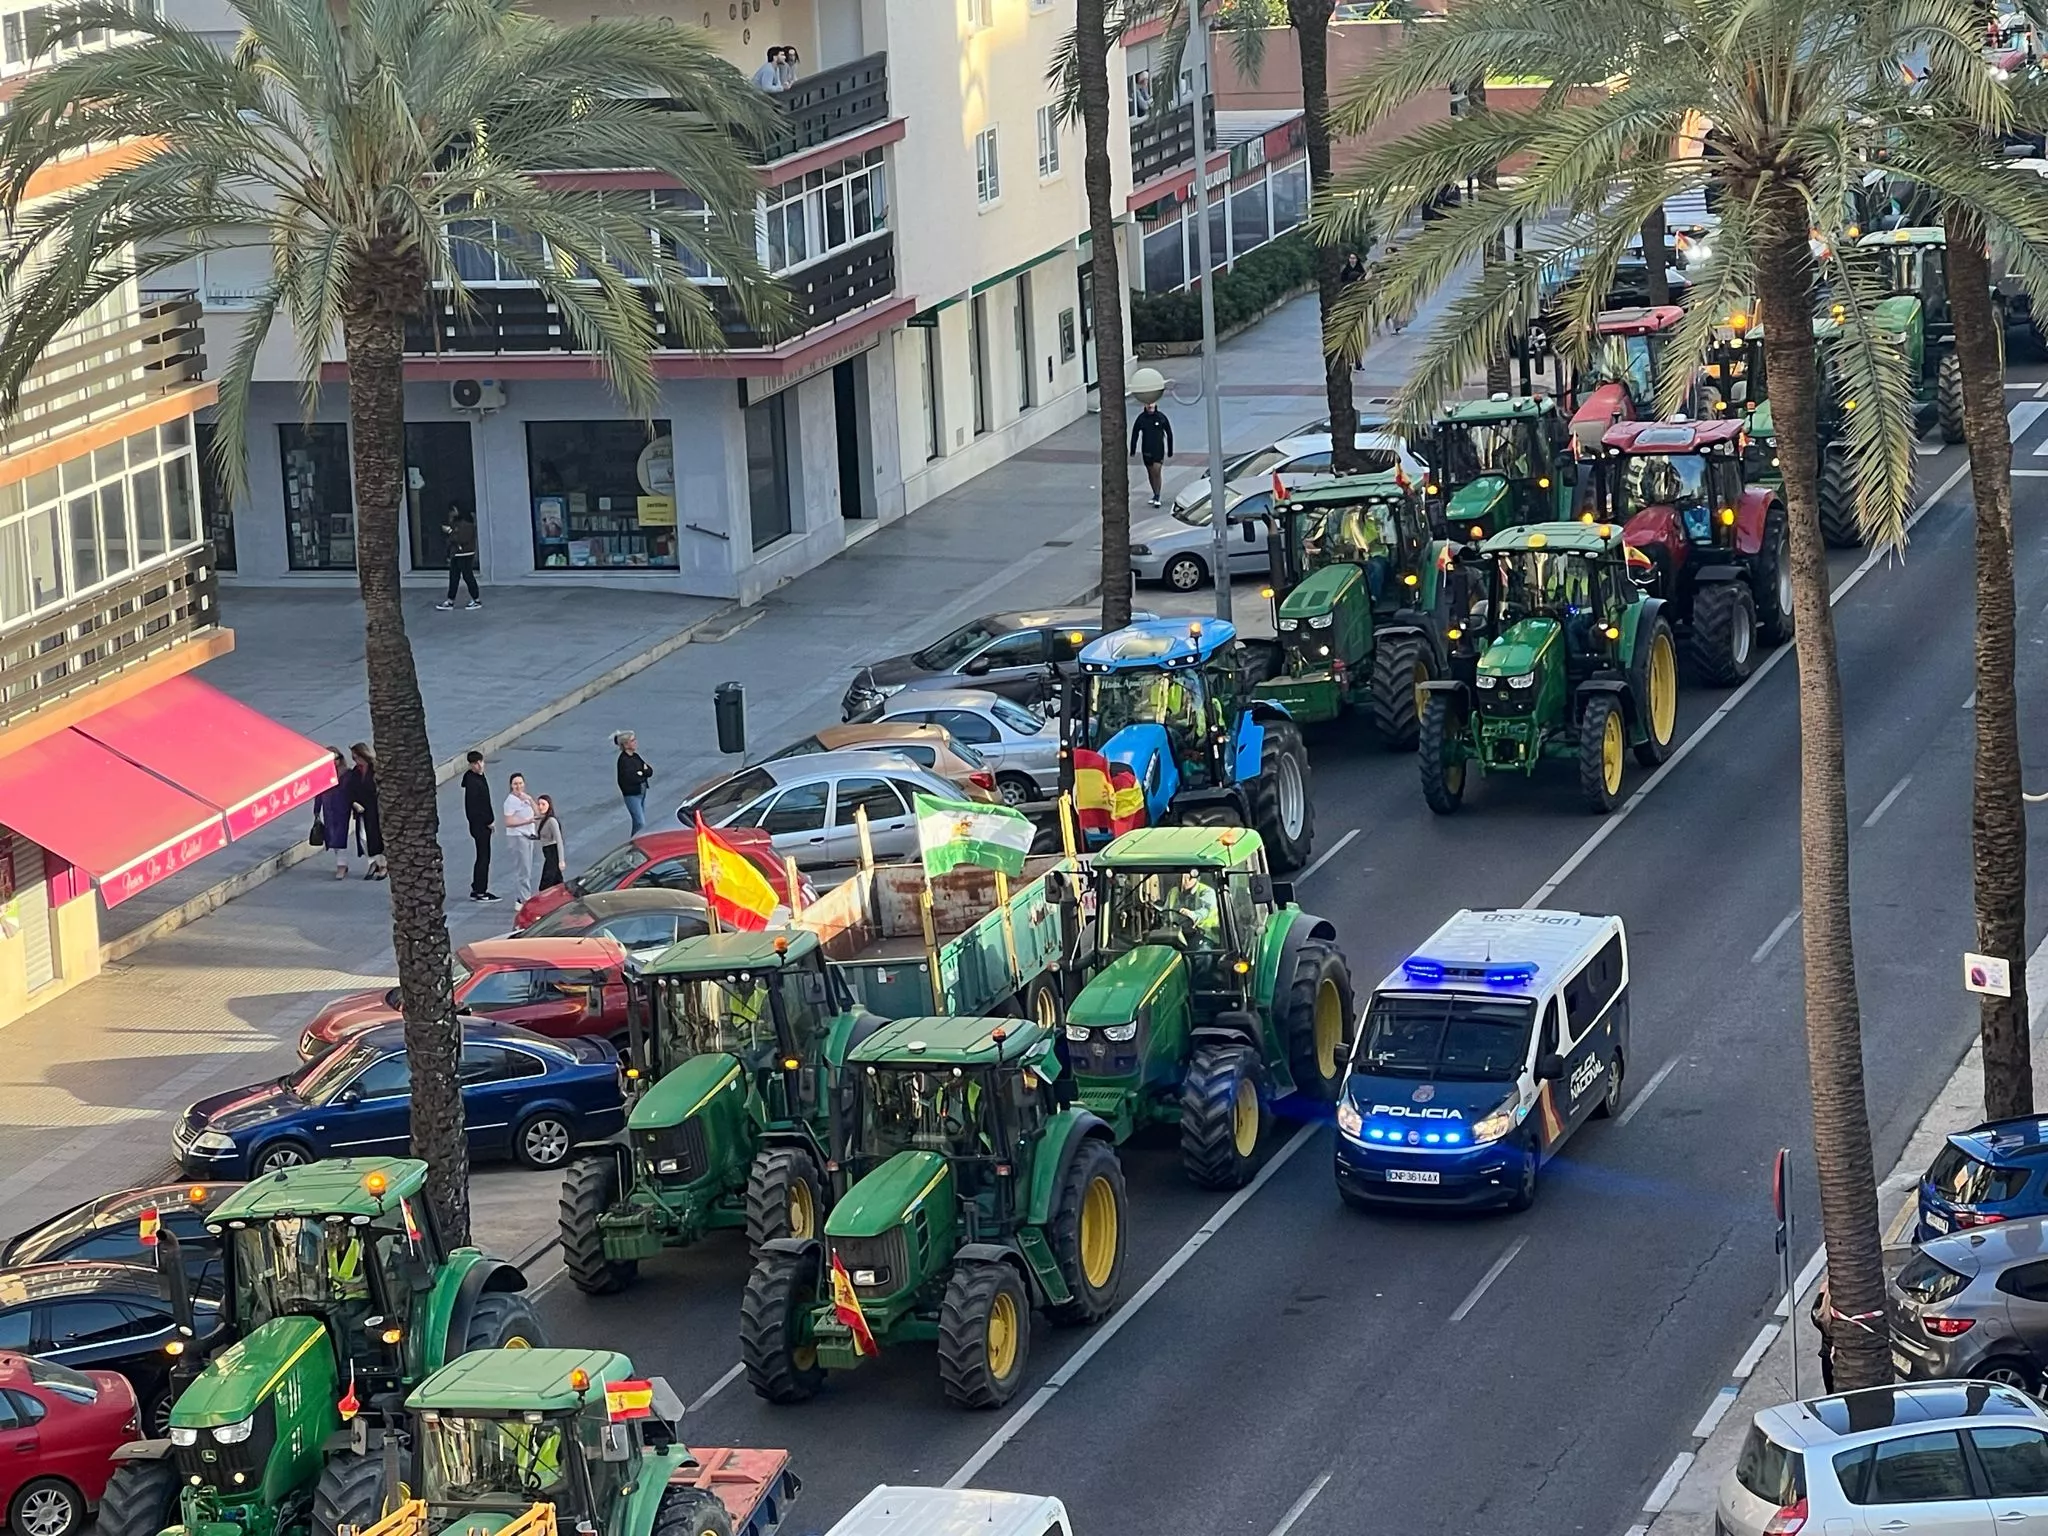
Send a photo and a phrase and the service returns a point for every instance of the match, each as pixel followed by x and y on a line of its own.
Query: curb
pixel 217 896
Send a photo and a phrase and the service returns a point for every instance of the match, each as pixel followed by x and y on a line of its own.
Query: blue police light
pixel 1432 1137
pixel 1375 1134
pixel 1453 1137
pixel 1422 968
pixel 1518 974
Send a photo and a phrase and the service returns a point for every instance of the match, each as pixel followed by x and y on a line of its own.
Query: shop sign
pixel 657 511
pixel 656 470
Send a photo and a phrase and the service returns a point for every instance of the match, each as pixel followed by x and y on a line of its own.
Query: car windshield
pixel 809 746
pixel 297 1265
pixel 1446 1037
pixel 1475 448
pixel 1260 461
pixel 508 1461
pixel 324 1078
pixel 1196 514
pixel 1015 718
pixel 1621 360
pixel 705 1015
pixel 610 872
pixel 722 799
pixel 938 1109
pixel 1178 907
pixel 943 655
pixel 570 919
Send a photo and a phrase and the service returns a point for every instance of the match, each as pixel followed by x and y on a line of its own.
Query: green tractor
pixel 342 1296
pixel 1916 269
pixel 1216 997
pixel 1360 603
pixel 1576 664
pixel 979 1198
pixel 1501 462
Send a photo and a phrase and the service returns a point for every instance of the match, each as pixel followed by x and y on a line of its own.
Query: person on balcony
pixel 791 68
pixel 769 76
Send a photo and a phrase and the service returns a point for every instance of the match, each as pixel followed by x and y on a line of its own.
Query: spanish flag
pixel 738 893
pixel 846 1307
pixel 149 1226
pixel 1107 796
pixel 628 1400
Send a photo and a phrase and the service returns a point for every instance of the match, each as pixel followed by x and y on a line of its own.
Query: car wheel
pixel 1184 573
pixel 46 1507
pixel 543 1140
pixel 280 1155
pixel 1015 789
pixel 156 1417
pixel 2008 1372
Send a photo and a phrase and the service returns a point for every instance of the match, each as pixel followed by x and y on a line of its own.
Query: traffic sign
pixel 1987 974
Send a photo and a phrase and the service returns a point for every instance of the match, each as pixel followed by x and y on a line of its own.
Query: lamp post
pixel 1219 527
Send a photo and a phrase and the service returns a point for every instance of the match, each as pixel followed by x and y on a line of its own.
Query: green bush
pixel 1259 280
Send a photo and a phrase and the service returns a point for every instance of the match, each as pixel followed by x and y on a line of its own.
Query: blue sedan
pixel 523 1096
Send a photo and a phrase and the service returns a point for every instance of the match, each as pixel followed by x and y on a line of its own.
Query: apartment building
pixel 117 766
pixel 930 219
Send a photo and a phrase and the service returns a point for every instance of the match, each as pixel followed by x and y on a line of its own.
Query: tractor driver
pixel 345 1258
pixel 1190 909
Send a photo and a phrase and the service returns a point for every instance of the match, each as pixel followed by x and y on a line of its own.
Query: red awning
pixel 214 748
pixel 125 827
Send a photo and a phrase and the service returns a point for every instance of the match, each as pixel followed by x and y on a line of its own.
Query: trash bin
pixel 729 707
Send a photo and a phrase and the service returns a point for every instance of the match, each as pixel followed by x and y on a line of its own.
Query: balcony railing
pixel 70 648
pixel 1165 141
pixel 832 104
pixel 517 319
pixel 110 368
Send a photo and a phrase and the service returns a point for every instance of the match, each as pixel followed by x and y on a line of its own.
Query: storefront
pixel 603 493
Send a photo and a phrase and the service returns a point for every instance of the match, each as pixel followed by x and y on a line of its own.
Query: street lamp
pixel 1219 530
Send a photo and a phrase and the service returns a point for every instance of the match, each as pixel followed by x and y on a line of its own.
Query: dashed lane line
pixel 1328 854
pixel 1300 1506
pixel 1492 1274
pixel 1630 1110
pixel 1753 1356
pixel 1763 950
pixel 731 1375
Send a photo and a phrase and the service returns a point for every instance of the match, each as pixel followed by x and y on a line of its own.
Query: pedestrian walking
pixel 769 76
pixel 331 815
pixel 461 531
pixel 1352 271
pixel 547 832
pixel 1152 441
pixel 518 815
pixel 477 808
pixel 634 775
pixel 362 793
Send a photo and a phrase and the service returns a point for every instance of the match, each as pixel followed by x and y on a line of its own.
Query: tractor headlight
pixel 1322 621
pixel 1525 680
pixel 1287 625
pixel 1496 1125
pixel 1349 1120
pixel 236 1433
pixel 1121 1032
pixel 184 1436
pixel 1488 680
pixel 1077 1034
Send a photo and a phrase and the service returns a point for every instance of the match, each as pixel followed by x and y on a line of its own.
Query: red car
pixel 656 858
pixel 554 987
pixel 59 1429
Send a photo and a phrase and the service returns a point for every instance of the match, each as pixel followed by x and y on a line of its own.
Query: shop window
pixel 1290 196
pixel 603 495
pixel 768 470
pixel 216 507
pixel 319 501
pixel 1248 218
pixel 1166 267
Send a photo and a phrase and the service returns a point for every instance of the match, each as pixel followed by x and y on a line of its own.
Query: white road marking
pixel 1492 1274
pixel 2031 474
pixel 1607 828
pixel 1130 1309
pixel 1763 950
pixel 732 1375
pixel 1897 1229
pixel 1628 1110
pixel 1717 1410
pixel 1300 1506
pixel 1885 804
pixel 1637 1530
pixel 1971 701
pixel 1326 855
pixel 1667 1485
pixel 1927 450
pixel 1753 1356
pixel 2023 416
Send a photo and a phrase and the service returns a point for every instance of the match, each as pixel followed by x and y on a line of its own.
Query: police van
pixel 1479 1055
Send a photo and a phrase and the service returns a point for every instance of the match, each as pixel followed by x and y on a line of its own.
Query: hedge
pixel 1260 279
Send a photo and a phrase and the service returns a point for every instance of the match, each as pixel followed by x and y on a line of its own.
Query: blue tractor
pixel 1174 702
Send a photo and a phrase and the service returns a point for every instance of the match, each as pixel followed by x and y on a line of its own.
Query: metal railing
pixel 1165 141
pixel 832 104
pixel 108 368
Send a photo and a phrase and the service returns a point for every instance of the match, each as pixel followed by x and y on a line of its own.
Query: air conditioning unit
pixel 476 395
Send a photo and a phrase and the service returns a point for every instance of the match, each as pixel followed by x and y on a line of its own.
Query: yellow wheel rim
pixel 803 1210
pixel 1098 1233
pixel 1663 688
pixel 1421 677
pixel 1002 1335
pixel 804 1358
pixel 1610 752
pixel 1329 1029
pixel 1048 1009
pixel 518 1341
pixel 1244 1118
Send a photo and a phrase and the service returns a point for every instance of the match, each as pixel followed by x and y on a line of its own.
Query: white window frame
pixel 1048 142
pixel 980 15
pixel 803 203
pixel 988 167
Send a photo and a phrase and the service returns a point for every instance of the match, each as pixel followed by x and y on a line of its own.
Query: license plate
pixel 1902 1363
pixel 1413 1176
pixel 1935 1221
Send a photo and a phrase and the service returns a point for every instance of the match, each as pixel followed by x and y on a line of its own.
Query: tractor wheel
pixel 141 1499
pixel 687 1511
pixel 352 1492
pixel 984 1335
pixel 1400 666
pixel 1721 642
pixel 1222 1117
pixel 785 1196
pixel 1087 1232
pixel 1282 813
pixel 502 1320
pixel 1653 676
pixel 1771 582
pixel 1948 397
pixel 1442 757
pixel 782 1365
pixel 589 1189
pixel 1838 524
pixel 1600 758
pixel 1041 1001
pixel 1315 1019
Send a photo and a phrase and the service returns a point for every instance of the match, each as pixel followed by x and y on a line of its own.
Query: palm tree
pixel 356 148
pixel 1787 86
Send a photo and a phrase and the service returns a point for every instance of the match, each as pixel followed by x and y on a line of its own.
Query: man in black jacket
pixel 476 806
pixel 1152 441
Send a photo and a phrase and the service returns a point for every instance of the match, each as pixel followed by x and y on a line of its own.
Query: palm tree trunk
pixel 1497 380
pixel 1310 20
pixel 1653 256
pixel 373 336
pixel 1834 1042
pixel 1091 49
pixel 1998 833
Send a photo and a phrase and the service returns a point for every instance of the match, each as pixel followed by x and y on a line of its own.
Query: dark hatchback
pixel 1997 1171
pixel 523 1096
pixel 110 1229
pixel 1005 653
pixel 106 1317
pixel 637 919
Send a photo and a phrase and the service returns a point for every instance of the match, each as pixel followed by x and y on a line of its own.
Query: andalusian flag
pixel 735 890
pixel 846 1307
pixel 955 832
pixel 1107 796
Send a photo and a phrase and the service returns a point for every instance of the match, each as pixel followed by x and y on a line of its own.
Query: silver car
pixel 1022 750
pixel 1974 1304
pixel 1179 547
pixel 1940 1458
pixel 1298 460
pixel 807 805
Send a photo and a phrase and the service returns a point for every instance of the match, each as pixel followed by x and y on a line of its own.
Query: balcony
pixel 832 104
pixel 1165 141
pixel 112 367
pixel 69 649
pixel 521 320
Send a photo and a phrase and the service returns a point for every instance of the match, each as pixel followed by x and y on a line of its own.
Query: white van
pixel 891 1511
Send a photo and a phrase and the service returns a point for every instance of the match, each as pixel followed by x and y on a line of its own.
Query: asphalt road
pixel 1527 1373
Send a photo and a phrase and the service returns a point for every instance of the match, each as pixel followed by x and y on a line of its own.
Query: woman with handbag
pixel 331 815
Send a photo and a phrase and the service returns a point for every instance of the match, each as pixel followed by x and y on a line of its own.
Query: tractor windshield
pixel 1445 1037
pixel 300 1265
pixel 1623 360
pixel 707 1015
pixel 1470 449
pixel 1542 583
pixel 1120 699
pixel 934 1109
pixel 1181 908
pixel 511 1462
pixel 1674 480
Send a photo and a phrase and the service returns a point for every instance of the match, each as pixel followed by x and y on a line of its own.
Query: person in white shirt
pixel 769 76
pixel 520 816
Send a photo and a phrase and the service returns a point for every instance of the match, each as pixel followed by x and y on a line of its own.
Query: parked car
pixel 1021 749
pixel 59 1429
pixel 1975 1304
pixel 1997 1171
pixel 928 746
pixel 1298 460
pixel 1005 652
pixel 641 922
pixel 558 987
pixel 1946 1458
pixel 664 858
pixel 1179 548
pixel 523 1096
pixel 110 1228
pixel 807 805
pixel 104 1317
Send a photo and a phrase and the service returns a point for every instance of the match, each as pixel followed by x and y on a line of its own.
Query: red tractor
pixel 1631 351
pixel 1717 548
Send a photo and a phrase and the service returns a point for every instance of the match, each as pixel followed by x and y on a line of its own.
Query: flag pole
pixel 1009 929
pixel 796 898
pixel 867 846
pixel 1066 804
pixel 931 945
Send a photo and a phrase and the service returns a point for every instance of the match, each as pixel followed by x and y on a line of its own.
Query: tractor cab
pixel 1497 463
pixel 1375 525
pixel 1915 264
pixel 1732 379
pixel 1630 359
